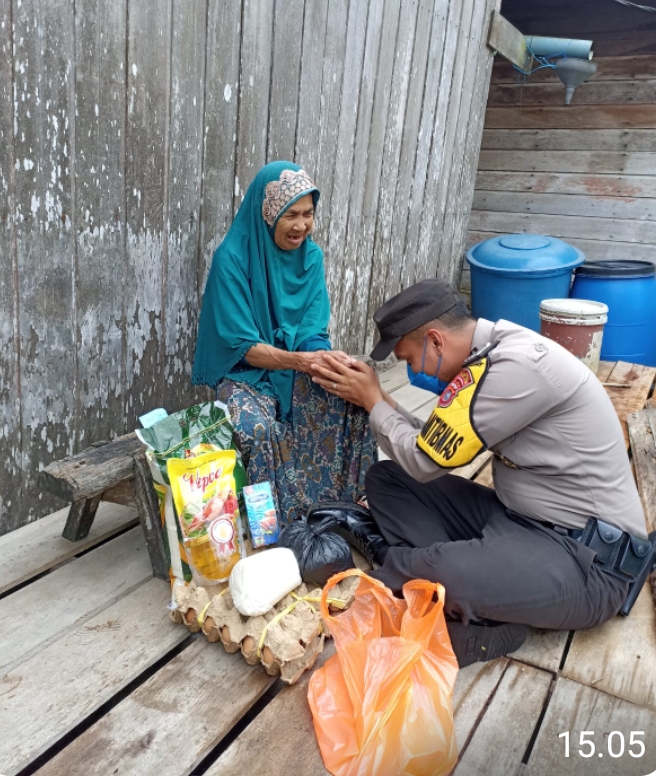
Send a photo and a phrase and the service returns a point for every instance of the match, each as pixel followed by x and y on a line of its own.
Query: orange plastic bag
pixel 382 705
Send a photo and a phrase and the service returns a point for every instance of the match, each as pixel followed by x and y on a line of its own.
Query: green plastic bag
pixel 184 434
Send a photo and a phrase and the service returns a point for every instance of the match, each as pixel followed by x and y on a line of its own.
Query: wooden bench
pixel 114 471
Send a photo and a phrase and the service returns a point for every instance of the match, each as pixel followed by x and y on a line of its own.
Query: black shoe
pixel 478 642
pixel 355 523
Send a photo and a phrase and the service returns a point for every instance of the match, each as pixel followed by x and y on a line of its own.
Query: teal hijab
pixel 259 293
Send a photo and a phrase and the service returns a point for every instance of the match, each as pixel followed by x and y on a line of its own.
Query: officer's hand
pixel 357 383
pixel 342 357
pixel 304 360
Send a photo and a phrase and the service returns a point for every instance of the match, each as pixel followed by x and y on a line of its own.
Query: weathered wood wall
pixel 585 172
pixel 129 130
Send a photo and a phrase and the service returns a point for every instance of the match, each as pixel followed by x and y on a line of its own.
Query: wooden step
pixel 41 612
pixel 170 723
pixel 619 656
pixel 574 708
pixel 45 697
pixel 29 551
pixel 515 707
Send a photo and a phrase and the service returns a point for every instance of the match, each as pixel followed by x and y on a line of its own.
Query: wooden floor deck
pixel 96 679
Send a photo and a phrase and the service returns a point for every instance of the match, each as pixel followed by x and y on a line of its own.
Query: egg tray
pixel 286 640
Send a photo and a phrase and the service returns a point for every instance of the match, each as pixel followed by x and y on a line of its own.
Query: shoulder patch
pixel 449 437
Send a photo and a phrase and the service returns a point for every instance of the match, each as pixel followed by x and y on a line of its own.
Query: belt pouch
pixel 605 540
pixel 635 554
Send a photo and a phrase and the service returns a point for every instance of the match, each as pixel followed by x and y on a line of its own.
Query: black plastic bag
pixel 319 552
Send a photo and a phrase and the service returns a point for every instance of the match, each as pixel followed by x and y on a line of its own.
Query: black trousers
pixel 493 563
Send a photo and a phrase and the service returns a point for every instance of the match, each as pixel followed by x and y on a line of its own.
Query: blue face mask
pixel 427 382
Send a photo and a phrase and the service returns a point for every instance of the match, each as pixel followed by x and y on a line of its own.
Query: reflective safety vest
pixel 449 436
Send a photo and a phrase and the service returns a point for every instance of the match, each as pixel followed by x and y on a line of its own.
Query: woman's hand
pixel 357 382
pixel 308 360
pixel 267 357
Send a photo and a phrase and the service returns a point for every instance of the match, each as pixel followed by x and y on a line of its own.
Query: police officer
pixel 526 553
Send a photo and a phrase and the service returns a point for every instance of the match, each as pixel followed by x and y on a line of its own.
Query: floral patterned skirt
pixel 321 453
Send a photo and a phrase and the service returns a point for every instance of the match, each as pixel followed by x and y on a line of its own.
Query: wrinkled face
pixel 295 224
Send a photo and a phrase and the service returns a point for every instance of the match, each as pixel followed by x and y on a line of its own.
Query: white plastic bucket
pixel 577 325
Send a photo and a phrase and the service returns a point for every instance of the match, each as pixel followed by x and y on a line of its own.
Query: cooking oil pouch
pixel 190 432
pixel 205 497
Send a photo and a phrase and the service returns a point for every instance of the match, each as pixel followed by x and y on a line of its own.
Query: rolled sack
pixel 258 582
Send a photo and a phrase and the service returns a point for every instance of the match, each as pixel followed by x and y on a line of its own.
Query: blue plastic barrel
pixel 512 273
pixel 629 289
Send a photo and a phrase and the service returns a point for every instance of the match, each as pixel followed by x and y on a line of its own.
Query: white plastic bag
pixel 258 582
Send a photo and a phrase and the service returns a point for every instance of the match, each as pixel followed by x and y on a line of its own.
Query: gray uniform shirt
pixel 544 410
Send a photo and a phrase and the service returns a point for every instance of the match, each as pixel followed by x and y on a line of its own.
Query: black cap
pixel 409 310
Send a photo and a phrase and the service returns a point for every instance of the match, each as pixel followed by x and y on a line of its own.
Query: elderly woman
pixel 263 323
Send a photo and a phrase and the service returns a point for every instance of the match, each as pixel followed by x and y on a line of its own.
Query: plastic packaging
pixel 190 432
pixel 257 583
pixel 382 705
pixel 319 553
pixel 261 511
pixel 205 498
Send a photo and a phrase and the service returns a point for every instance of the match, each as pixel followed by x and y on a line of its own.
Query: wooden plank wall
pixel 130 131
pixel 584 172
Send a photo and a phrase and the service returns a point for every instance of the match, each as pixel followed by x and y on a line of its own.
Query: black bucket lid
pixel 627 268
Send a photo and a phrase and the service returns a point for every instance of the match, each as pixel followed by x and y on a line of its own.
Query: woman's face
pixel 295 224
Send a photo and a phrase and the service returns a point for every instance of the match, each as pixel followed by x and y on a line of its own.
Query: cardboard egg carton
pixel 286 640
pixel 190 601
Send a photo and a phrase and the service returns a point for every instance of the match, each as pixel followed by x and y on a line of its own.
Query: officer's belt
pixel 617 552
